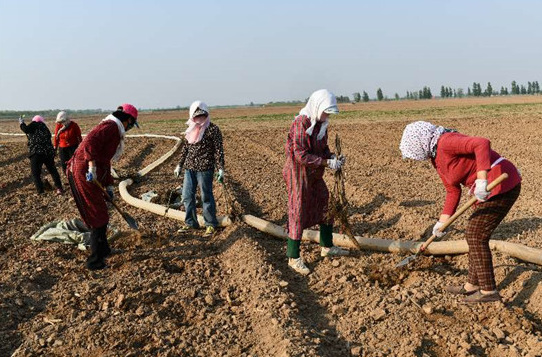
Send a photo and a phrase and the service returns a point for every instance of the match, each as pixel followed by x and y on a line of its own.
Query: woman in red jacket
pixel 469 161
pixel 92 162
pixel 67 138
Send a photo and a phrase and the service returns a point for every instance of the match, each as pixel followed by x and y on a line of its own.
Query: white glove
pixel 220 176
pixel 436 230
pixel 334 164
pixel 480 190
pixel 21 120
pixel 177 171
pixel 91 173
pixel 342 158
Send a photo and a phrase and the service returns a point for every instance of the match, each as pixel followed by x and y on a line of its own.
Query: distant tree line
pixel 448 92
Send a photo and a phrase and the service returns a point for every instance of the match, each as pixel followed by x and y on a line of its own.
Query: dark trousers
pixel 482 223
pixel 36 163
pixel 65 155
pixel 99 248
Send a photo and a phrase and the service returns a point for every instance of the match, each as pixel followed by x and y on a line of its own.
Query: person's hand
pixel 342 158
pixel 177 171
pixel 436 230
pixel 91 173
pixel 220 176
pixel 21 120
pixel 480 190
pixel 110 192
pixel 334 164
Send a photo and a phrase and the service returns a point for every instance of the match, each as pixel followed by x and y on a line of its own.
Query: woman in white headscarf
pixel 469 161
pixel 307 156
pixel 200 155
pixel 67 138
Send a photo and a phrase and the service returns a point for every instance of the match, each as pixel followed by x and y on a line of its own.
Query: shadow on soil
pixel 511 229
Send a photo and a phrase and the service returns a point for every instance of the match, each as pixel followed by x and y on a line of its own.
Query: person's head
pixel 199 112
pixel 321 104
pixel 38 119
pixel 127 114
pixel 62 118
pixel 419 140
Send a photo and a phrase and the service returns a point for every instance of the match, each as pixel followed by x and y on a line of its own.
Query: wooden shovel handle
pixel 463 208
pixel 107 197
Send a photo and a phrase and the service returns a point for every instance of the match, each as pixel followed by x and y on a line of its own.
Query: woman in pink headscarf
pixel 41 151
pixel 200 155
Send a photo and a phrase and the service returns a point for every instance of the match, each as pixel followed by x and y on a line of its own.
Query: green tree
pixel 523 89
pixel 529 88
pixel 357 97
pixel 489 89
pixel 469 92
pixel 365 96
pixel 379 94
pixel 515 88
pixel 460 92
pixel 443 92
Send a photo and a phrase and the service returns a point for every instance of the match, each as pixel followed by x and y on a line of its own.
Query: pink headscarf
pixel 197 126
pixel 39 119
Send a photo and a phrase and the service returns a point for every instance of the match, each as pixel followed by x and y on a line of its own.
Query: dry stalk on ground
pixel 338 204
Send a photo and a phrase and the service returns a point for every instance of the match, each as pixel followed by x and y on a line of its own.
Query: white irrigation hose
pixel 522 252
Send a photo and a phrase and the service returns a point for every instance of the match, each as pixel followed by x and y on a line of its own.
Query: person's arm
pixel 28 129
pixel 453 195
pixel 219 148
pixel 301 148
pixel 184 153
pixel 77 133
pixel 56 139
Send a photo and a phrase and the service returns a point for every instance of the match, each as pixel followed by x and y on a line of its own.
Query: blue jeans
pixel 203 179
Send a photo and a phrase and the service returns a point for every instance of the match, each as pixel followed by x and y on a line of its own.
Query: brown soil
pixel 167 294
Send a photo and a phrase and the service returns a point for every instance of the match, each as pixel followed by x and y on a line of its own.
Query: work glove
pixel 21 120
pixel 342 158
pixel 91 173
pixel 480 190
pixel 220 176
pixel 177 171
pixel 110 192
pixel 334 164
pixel 436 232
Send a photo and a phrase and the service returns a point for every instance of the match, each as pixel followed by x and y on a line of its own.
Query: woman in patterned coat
pixel 41 152
pixel 200 156
pixel 469 161
pixel 92 162
pixel 307 156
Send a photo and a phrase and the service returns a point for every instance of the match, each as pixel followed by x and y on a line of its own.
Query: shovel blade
pixel 406 261
pixel 131 221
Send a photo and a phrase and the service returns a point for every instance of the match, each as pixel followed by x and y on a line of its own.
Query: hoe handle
pixel 463 208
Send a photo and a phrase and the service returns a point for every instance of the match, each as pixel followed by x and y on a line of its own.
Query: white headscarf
pixel 419 141
pixel 122 132
pixel 199 128
pixel 319 101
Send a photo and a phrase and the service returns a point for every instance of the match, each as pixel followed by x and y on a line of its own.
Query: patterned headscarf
pixel 318 102
pixel 419 141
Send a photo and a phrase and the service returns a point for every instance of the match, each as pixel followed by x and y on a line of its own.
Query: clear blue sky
pixel 98 54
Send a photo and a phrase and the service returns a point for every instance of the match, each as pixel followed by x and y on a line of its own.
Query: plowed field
pixel 167 294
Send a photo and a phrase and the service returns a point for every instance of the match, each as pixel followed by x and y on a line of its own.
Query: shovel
pixel 129 219
pixel 450 220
